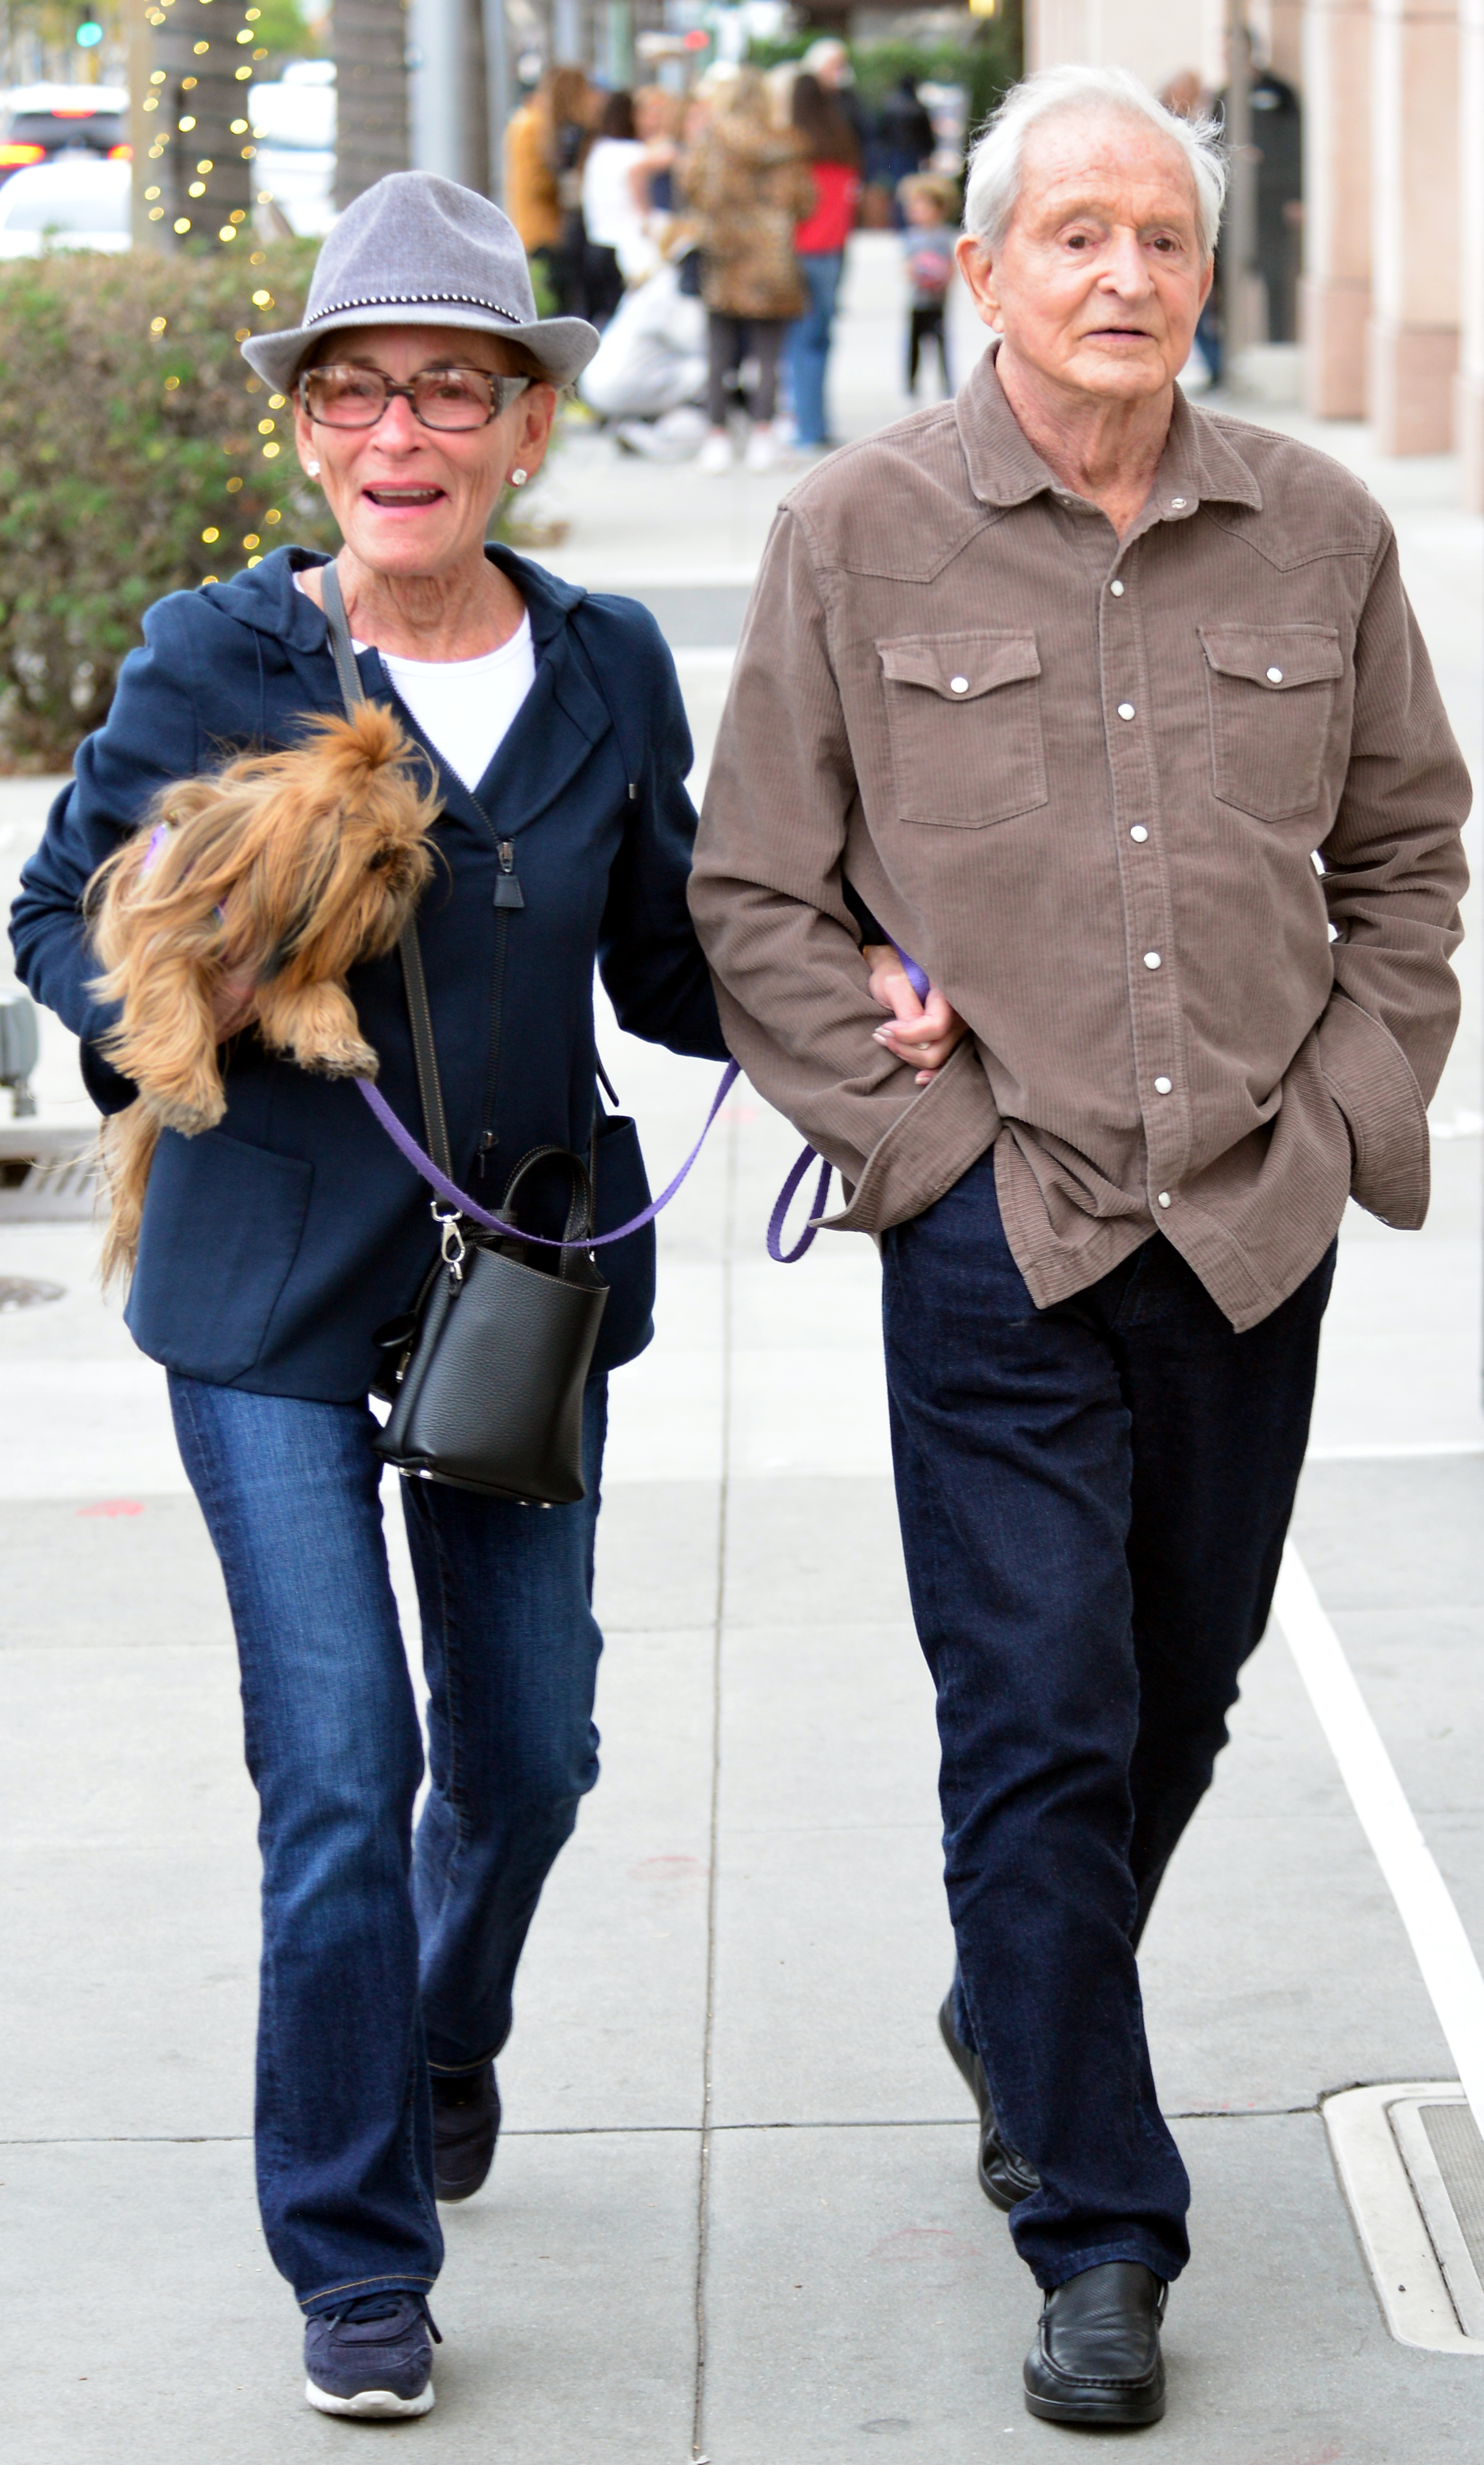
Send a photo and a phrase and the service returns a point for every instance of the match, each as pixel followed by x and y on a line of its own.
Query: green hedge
pixel 131 464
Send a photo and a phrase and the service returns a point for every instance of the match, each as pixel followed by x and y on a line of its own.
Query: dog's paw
pixel 346 1057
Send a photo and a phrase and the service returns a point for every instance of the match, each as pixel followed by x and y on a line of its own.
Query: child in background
pixel 930 206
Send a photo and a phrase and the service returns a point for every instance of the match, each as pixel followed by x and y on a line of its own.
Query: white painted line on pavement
pixel 1444 1953
pixel 1388 1452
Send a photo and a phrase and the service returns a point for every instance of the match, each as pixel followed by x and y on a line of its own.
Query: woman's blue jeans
pixel 1094 1499
pixel 386 1953
pixel 809 343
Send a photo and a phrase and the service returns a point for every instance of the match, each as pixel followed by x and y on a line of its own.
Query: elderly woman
pixel 274 1247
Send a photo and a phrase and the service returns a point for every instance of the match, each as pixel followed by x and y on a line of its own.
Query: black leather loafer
pixel 1005 2176
pixel 1097 2360
pixel 465 2127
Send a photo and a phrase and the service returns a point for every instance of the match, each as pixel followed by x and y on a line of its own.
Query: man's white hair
pixel 995 161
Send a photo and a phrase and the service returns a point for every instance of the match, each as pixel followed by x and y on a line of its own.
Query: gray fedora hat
pixel 415 250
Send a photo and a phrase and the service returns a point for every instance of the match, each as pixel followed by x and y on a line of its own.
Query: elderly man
pixel 1114 712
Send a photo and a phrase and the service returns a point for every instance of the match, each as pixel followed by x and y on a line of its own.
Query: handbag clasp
pixel 453 1244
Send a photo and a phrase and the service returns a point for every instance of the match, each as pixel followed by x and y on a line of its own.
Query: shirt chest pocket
pixel 1270 690
pixel 963 716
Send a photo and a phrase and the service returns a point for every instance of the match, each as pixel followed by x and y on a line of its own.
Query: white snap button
pixel 1152 959
pixel 1165 1198
pixel 1125 710
pixel 1274 675
pixel 1178 505
pixel 958 684
pixel 1139 832
pixel 1163 1086
pixel 1116 589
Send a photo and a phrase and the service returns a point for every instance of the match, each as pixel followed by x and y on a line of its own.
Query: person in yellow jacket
pixel 532 168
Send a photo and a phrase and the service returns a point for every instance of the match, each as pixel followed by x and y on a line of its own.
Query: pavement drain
pixel 1444 2158
pixel 1412 2163
pixel 24 1292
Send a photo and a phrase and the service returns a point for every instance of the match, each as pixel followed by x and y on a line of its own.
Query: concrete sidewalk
pixel 735 2199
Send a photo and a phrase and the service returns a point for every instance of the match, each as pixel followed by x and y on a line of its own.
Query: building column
pixel 1412 339
pixel 1468 386
pixel 1334 287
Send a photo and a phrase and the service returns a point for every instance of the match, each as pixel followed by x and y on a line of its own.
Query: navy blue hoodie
pixel 274 1247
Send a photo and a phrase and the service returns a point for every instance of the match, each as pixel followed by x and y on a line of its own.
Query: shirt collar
pixel 1197 462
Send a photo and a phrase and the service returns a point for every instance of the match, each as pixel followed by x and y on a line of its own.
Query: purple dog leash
pixel 402 1136
pixel 775 1223
pixel 422 1163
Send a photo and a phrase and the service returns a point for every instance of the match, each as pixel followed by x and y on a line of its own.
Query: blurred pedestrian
pixel 274 1249
pixel 931 207
pixel 571 108
pixel 531 195
pixel 615 241
pixel 827 61
pixel 1066 683
pixel 903 142
pixel 746 184
pixel 657 116
pixel 651 366
pixel 1277 144
pixel 819 241
pixel 1278 133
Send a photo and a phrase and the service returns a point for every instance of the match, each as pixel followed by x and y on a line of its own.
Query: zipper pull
pixel 507 890
pixel 488 1143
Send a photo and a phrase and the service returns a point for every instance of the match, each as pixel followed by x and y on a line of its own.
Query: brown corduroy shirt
pixel 1083 782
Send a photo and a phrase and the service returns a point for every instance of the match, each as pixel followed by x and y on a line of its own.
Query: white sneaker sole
pixel 372 2405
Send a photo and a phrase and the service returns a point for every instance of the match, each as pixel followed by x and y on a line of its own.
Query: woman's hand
pixel 924 1032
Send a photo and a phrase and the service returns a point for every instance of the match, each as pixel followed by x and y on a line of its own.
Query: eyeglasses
pixel 446 398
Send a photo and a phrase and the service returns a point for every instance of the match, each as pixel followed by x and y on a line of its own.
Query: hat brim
pixel 562 346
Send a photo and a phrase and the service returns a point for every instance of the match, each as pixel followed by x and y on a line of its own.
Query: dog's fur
pixel 281 870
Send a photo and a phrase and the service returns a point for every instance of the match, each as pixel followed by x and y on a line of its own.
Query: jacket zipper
pixel 508 895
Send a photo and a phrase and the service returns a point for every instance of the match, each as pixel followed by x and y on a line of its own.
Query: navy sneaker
pixel 373 2358
pixel 465 2127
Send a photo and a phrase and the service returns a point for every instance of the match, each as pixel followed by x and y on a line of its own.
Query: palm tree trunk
pixel 189 127
pixel 370 75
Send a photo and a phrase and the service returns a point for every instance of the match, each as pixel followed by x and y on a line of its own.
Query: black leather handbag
pixel 487 1372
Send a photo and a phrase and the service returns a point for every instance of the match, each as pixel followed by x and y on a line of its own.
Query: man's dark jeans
pixel 1094 1499
pixel 384 1954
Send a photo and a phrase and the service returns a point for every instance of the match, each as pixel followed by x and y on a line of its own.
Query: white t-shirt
pixel 610 213
pixel 465 707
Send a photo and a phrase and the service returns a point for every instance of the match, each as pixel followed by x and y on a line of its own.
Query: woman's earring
pixel 518 479
pixel 313 470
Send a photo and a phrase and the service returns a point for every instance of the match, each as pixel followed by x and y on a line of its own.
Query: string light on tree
pixel 197 154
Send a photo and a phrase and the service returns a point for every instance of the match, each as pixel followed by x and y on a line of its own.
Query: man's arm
pixel 768 899
pixel 1394 872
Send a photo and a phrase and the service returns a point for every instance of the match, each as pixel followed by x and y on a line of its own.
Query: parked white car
pixel 76 203
pixel 294 128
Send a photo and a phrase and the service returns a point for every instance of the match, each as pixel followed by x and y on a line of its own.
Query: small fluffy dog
pixel 275 874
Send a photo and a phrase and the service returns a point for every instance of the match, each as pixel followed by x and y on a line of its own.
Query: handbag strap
pixel 408 947
pixel 437 1168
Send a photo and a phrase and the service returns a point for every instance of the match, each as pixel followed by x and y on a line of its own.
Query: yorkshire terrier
pixel 272 877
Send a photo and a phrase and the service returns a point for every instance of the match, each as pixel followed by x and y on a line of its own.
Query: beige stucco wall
pixel 1412 341
pixel 1468 386
pixel 1155 39
pixel 1392 297
pixel 1334 292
